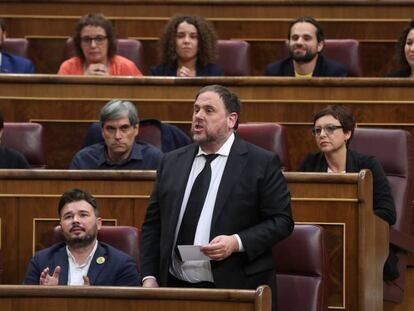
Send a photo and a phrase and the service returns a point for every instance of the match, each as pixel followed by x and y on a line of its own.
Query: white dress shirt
pixel 77 271
pixel 198 271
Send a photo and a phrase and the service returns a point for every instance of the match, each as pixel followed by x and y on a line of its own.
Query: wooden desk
pixel 357 239
pixel 100 298
pixel 63 104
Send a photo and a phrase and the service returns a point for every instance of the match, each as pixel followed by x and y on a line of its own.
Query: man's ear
pixel 321 45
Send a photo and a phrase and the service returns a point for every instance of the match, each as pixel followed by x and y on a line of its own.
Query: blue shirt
pixel 143 157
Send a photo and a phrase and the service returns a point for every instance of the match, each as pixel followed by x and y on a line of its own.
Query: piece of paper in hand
pixel 191 252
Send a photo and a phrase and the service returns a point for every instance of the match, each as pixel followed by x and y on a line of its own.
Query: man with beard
pixel 81 259
pixel 306 42
pixel 118 149
pixel 222 197
pixel 10 63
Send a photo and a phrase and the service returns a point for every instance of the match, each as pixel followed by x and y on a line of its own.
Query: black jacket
pixel 324 68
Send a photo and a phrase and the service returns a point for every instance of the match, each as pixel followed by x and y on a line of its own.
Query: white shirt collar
pixel 224 150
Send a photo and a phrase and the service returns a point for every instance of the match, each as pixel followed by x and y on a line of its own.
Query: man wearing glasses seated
pixel 95 45
pixel 118 150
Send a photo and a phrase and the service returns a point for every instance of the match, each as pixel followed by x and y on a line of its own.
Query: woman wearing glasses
pixel 333 129
pixel 95 45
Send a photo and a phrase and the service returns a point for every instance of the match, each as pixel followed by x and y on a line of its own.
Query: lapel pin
pixel 100 260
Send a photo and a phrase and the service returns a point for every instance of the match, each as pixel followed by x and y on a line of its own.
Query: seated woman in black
pixel 187 48
pixel 333 129
pixel 406 53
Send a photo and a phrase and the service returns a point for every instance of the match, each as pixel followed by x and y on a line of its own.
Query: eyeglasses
pixel 328 129
pixel 99 40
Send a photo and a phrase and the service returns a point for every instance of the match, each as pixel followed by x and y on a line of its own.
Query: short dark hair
pixel 76 195
pixel 2 24
pixel 207 40
pixel 116 109
pixel 401 44
pixel 231 101
pixel 1 120
pixel 342 114
pixel 320 36
pixel 97 20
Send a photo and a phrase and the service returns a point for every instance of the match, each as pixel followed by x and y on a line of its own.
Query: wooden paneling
pixel 357 240
pixel 104 298
pixel 216 8
pixel 227 28
pixel 66 105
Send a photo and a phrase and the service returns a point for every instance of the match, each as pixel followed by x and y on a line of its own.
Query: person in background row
pixel 96 45
pixel 187 48
pixel 120 126
pixel 10 158
pixel 333 129
pixel 222 194
pixel 81 259
pixel 10 63
pixel 406 53
pixel 306 43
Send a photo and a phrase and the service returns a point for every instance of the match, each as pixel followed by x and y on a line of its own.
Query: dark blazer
pixel 252 201
pixel 401 73
pixel 15 64
pixel 384 206
pixel 324 68
pixel 383 201
pixel 118 269
pixel 202 71
pixel 10 158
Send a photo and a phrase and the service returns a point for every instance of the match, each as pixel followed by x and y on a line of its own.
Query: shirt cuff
pixel 241 248
pixel 149 277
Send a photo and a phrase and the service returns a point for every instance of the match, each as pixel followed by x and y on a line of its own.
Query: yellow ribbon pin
pixel 100 260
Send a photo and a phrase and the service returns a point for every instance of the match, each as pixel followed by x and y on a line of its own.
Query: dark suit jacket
pixel 324 68
pixel 401 73
pixel 202 71
pixel 15 64
pixel 119 269
pixel 10 158
pixel 252 201
pixel 383 201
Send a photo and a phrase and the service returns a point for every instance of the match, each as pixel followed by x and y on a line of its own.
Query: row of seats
pixel 382 143
pixel 301 263
pixel 233 55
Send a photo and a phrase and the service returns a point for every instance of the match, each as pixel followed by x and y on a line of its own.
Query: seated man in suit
pixel 120 126
pixel 10 63
pixel 82 259
pixel 306 42
pixel 10 158
pixel 234 209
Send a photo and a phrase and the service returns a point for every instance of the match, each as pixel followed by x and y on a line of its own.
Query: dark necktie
pixel 195 204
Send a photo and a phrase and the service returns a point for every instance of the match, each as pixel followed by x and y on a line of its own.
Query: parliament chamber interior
pixel 47 117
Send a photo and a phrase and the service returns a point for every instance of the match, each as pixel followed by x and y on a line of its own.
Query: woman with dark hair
pixel 406 53
pixel 333 129
pixel 95 44
pixel 187 48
